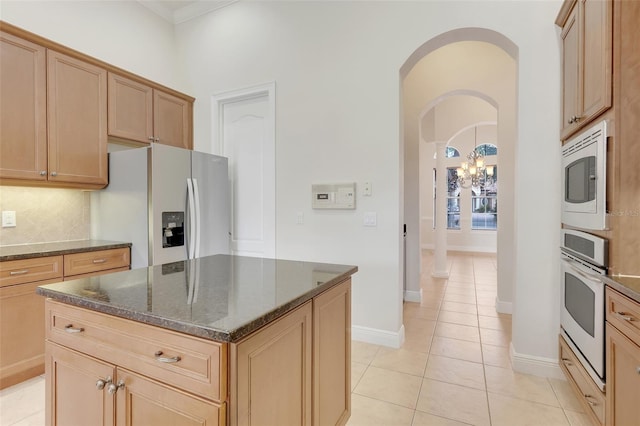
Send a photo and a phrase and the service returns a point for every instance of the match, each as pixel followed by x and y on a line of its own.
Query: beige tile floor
pixel 453 369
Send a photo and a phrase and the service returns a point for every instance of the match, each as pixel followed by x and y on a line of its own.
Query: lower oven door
pixel 582 315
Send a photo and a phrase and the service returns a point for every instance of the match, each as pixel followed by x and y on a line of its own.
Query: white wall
pixel 336 66
pixel 121 33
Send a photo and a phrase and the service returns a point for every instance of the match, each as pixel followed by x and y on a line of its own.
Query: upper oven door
pixel 582 314
pixel 584 178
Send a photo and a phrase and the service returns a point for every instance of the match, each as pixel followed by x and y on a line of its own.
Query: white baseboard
pixel 378 337
pixel 440 274
pixel 538 366
pixel 431 246
pixel 413 296
pixel 504 307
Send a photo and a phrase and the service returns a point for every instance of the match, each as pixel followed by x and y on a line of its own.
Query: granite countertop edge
pixel 198 330
pixel 27 251
pixel 618 283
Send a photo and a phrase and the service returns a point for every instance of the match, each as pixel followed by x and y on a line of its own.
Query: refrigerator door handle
pixel 196 230
pixel 192 219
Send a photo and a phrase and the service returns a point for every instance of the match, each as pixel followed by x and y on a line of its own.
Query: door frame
pixel 218 101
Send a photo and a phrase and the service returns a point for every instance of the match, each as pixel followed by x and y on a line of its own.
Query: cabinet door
pixel 570 72
pixel 77 118
pixel 597 21
pixel 332 356
pixel 623 379
pixel 130 109
pixel 22 333
pixel 142 401
pixel 72 396
pixel 172 120
pixel 23 119
pixel 273 373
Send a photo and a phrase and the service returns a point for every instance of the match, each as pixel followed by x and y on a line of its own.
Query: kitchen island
pixel 216 340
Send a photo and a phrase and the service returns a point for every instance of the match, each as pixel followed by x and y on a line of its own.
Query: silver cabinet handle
pixel 99 260
pixel 43 172
pixel 151 138
pixel 567 361
pixel 624 316
pixel 100 384
pixel 113 388
pixel 69 328
pixel 165 359
pixel 638 370
pixel 24 271
pixel 589 400
pixel 157 140
pixel 54 174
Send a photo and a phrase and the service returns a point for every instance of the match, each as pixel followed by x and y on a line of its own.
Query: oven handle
pixel 585 275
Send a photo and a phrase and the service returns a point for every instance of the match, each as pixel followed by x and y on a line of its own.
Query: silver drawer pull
pixel 99 260
pixel 69 328
pixel 165 359
pixel 567 361
pixel 24 271
pixel 589 401
pixel 625 317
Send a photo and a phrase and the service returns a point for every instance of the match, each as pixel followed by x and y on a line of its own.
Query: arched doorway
pixel 467 60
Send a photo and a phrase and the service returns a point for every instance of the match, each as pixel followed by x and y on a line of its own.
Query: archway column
pixel 440 269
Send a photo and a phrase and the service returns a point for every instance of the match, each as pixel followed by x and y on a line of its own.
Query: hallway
pixel 454 368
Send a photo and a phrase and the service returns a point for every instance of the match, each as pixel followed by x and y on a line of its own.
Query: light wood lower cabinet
pixel 271 373
pixel 332 356
pixel 275 379
pixel 103 370
pixel 589 395
pixel 293 371
pixel 623 359
pixel 22 316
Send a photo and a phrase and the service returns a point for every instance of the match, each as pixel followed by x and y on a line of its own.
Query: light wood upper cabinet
pixel 52 118
pixel 130 109
pixel 587 40
pixel 77 120
pixel 140 113
pixel 23 114
pixel 172 120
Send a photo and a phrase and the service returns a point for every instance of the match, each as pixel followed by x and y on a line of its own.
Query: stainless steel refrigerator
pixel 171 203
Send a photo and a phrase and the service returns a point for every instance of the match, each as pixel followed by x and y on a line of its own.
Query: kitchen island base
pixel 103 369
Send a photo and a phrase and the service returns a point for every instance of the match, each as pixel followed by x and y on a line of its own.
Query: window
pixel 484 202
pixel 453 199
pixel 452 152
pixel 487 149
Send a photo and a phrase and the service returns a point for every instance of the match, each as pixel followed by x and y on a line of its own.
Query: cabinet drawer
pixel 93 261
pixel 30 270
pixel 186 362
pixel 588 392
pixel 623 313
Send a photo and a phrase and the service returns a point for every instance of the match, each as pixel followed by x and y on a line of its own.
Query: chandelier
pixel 473 172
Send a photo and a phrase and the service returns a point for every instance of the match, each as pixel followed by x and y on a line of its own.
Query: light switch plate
pixel 8 219
pixel 370 219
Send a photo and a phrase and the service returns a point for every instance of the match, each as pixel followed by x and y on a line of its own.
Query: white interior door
pixel 247 139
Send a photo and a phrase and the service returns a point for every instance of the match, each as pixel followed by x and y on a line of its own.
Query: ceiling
pixel 178 11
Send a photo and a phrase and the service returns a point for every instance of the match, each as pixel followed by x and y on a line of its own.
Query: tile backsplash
pixel 45 215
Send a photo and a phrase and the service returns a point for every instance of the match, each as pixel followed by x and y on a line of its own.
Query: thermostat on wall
pixel 334 196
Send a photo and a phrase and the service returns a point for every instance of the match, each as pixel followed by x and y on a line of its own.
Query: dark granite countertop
pixel 28 251
pixel 221 297
pixel 629 286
